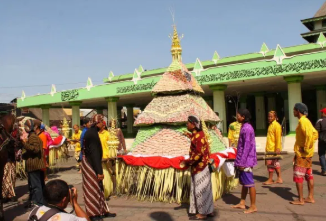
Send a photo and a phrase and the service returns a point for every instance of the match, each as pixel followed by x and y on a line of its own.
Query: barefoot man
pixel 75 140
pixel 273 144
pixel 306 135
pixel 245 160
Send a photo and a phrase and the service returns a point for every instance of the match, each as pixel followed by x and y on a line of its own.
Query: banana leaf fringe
pixel 108 180
pixel 165 185
pixel 20 169
pixel 57 155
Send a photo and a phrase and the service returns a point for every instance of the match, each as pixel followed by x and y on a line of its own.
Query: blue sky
pixel 63 42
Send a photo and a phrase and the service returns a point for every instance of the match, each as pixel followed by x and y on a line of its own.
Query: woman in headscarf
pixel 34 159
pixel 92 172
pixel 201 197
pixel 245 160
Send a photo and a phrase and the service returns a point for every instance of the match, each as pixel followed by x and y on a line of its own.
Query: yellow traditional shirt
pixel 306 135
pixel 274 137
pixel 76 136
pixel 234 132
pixel 104 137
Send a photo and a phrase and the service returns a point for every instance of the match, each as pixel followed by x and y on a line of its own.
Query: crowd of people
pixel 96 147
pixel 242 136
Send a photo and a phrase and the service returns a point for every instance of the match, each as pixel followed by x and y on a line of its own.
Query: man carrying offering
pixel 273 144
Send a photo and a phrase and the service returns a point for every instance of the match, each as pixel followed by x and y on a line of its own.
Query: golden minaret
pixel 176 49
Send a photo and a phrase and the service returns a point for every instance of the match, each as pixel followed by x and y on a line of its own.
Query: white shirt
pixel 58 216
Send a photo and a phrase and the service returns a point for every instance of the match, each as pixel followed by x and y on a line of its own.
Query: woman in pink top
pixel 55 129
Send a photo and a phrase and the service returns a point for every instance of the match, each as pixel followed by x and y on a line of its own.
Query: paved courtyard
pixel 272 201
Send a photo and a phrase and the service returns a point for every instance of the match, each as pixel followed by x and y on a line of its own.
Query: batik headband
pixel 302 108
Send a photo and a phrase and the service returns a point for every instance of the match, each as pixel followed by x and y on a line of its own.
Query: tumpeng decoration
pixel 151 170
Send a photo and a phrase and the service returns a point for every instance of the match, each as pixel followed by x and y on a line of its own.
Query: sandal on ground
pixel 96 218
pixel 106 215
pixel 29 206
pixel 197 218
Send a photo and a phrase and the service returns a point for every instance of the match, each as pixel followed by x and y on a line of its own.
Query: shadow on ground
pixel 260 178
pixel 161 216
pixel 60 169
pixel 316 163
pixel 283 192
pixel 316 172
pixel 183 206
pixel 15 211
pixel 230 199
pixel 21 190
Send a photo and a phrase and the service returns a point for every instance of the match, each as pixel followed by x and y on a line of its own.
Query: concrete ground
pixel 272 201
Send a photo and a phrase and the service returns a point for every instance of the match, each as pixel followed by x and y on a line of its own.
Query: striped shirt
pixel 34 153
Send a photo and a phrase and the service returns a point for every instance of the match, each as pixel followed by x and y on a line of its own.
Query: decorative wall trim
pixel 264 71
pixel 69 95
pixel 135 88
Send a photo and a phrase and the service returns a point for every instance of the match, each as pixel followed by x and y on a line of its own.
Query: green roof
pixel 313 19
pixel 223 61
pixel 316 32
pixel 301 59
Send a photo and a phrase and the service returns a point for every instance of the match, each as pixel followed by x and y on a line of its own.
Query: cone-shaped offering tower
pixel 152 168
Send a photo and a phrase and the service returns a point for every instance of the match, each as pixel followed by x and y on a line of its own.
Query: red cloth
pixel 159 162
pixel 154 162
pixel 57 140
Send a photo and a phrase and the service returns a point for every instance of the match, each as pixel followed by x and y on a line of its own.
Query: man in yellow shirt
pixel 306 135
pixel 104 138
pixel 75 138
pixel 273 144
pixel 233 134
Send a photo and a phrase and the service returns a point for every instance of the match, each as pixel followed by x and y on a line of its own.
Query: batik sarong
pixel 301 173
pixel 272 165
pixel 93 191
pixel 302 169
pixel 201 197
pixel 9 180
